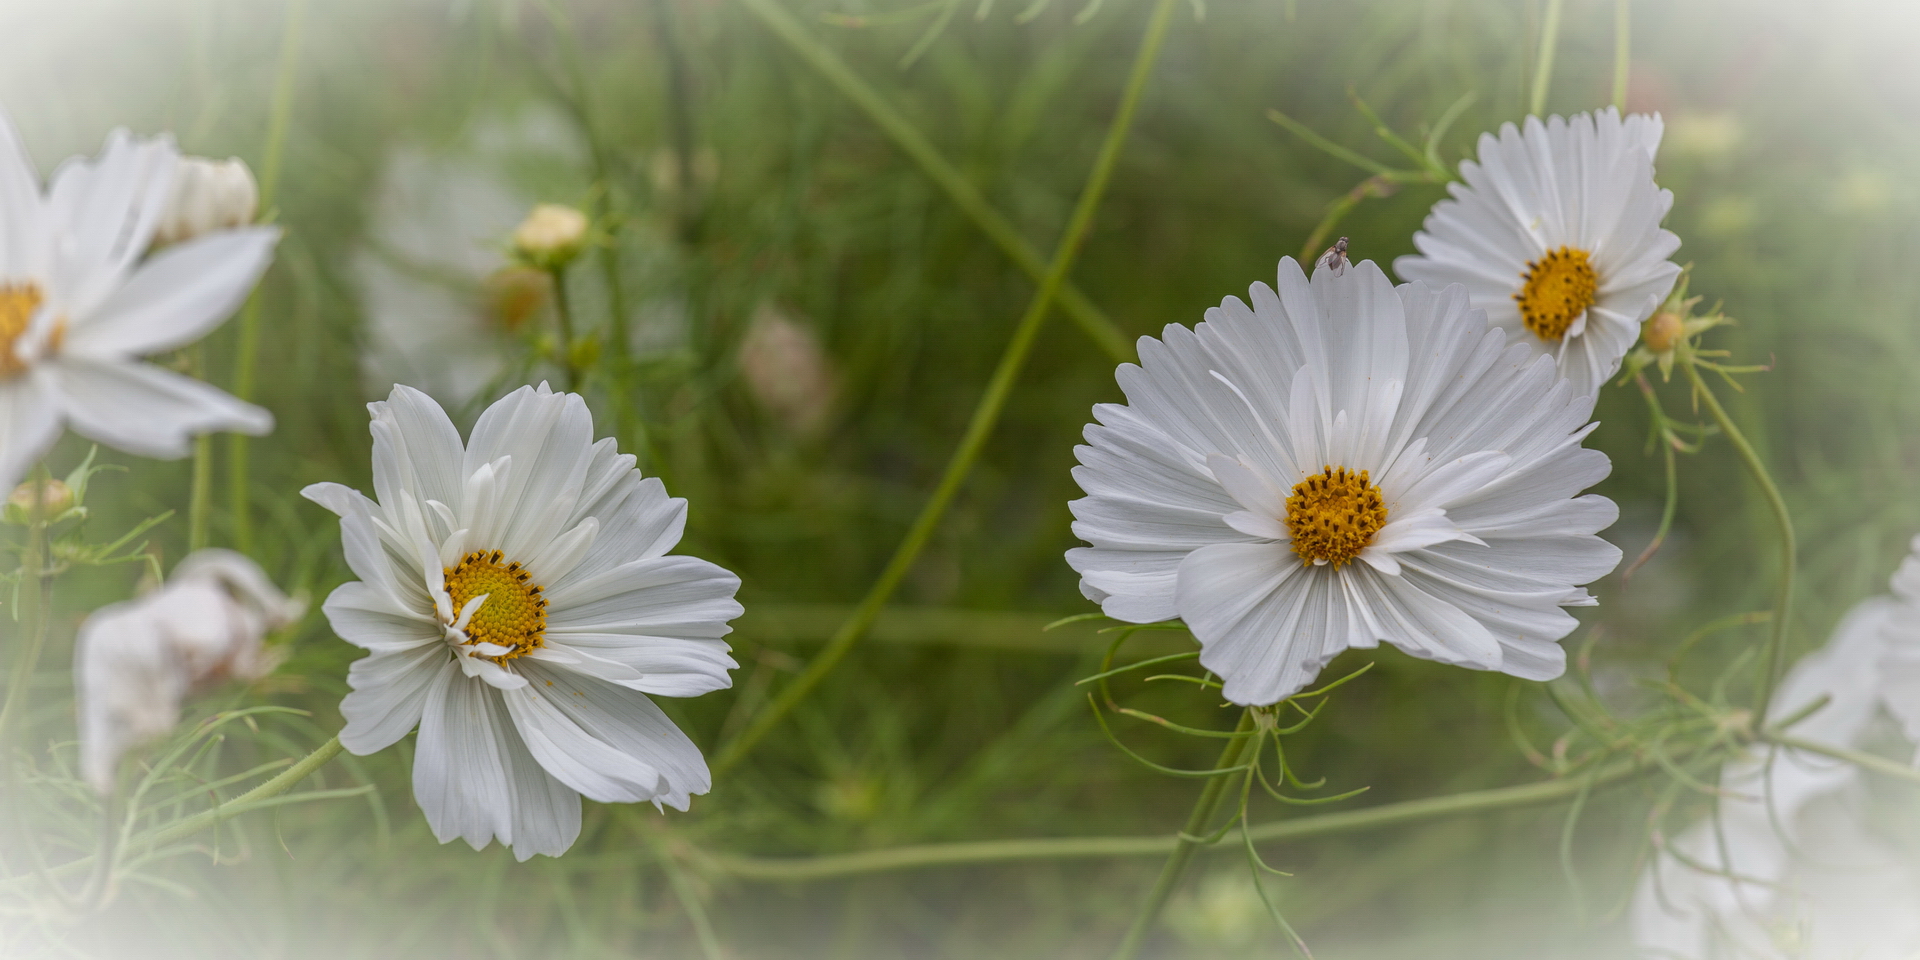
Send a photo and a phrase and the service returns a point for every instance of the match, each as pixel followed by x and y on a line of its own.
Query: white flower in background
pixel 1811 878
pixel 1339 464
pixel 1900 671
pixel 787 370
pixel 1556 235
pixel 79 306
pixel 135 662
pixel 208 195
pixel 519 605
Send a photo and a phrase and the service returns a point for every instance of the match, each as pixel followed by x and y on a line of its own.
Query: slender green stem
pixel 1864 760
pixel 563 312
pixel 1078 308
pixel 923 856
pixel 200 486
pixel 1184 845
pixel 238 805
pixel 1622 45
pixel 985 415
pixel 248 348
pixel 686 196
pixel 1774 658
pixel 1543 65
pixel 37 616
pixel 683 890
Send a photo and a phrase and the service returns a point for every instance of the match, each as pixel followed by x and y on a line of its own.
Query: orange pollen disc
pixel 17 304
pixel 514 614
pixel 1334 514
pixel 1555 291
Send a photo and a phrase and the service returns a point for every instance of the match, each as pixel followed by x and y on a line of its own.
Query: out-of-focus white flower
pixel 551 235
pixel 1340 464
pixel 79 306
pixel 1556 235
pixel 135 662
pixel 208 195
pixel 787 371
pixel 1800 870
pixel 518 605
pixel 1900 673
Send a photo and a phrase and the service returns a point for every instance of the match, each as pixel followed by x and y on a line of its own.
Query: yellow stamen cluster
pixel 1334 514
pixel 1556 290
pixel 514 615
pixel 17 304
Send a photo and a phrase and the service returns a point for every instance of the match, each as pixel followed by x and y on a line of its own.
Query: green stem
pixel 1774 658
pixel 33 572
pixel 1187 843
pixel 248 348
pixel 1078 308
pixel 985 415
pixel 922 856
pixel 1622 40
pixel 200 491
pixel 1543 67
pixel 239 805
pixel 1864 760
pixel 563 312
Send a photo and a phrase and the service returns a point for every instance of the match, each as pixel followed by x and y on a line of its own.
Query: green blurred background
pixel 812 321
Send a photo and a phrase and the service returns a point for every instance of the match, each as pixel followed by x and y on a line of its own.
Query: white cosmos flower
pixel 1800 868
pixel 1556 235
pixel 135 662
pixel 79 306
pixel 1339 464
pixel 519 605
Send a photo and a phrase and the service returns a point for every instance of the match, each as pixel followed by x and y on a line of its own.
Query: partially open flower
pixel 551 236
pixel 208 195
pixel 137 661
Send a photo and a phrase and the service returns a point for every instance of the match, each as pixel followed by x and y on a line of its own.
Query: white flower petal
pixel 579 717
pixel 1265 622
pixel 390 691
pixel 106 208
pixel 23 246
pixel 673 596
pixel 664 666
pixel 29 424
pixel 140 408
pixel 178 296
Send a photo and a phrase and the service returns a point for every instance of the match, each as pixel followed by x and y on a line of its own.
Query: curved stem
pixel 1078 308
pixel 1184 845
pixel 1774 657
pixel 967 853
pixel 985 415
pixel 238 501
pixel 1863 760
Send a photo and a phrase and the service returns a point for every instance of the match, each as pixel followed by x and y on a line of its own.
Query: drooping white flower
pixel 208 195
pixel 518 604
pixel 1339 464
pixel 1793 866
pixel 1556 235
pixel 1900 670
pixel 135 662
pixel 79 306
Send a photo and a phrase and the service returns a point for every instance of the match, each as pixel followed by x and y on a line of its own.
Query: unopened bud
pixel 55 499
pixel 208 195
pixel 551 236
pixel 514 293
pixel 1662 331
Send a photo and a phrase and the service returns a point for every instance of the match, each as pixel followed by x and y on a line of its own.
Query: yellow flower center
pixel 1557 289
pixel 514 614
pixel 1334 514
pixel 17 304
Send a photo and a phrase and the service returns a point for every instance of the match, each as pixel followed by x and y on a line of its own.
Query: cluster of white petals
pixel 208 195
pixel 1796 866
pixel 518 603
pixel 81 303
pixel 1577 192
pixel 136 662
pixel 1476 537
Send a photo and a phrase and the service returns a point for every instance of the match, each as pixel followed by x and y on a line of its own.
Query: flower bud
pixel 135 662
pixel 1662 331
pixel 208 195
pixel 551 236
pixel 514 293
pixel 55 498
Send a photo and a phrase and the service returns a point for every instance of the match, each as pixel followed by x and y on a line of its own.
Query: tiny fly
pixel 1335 258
